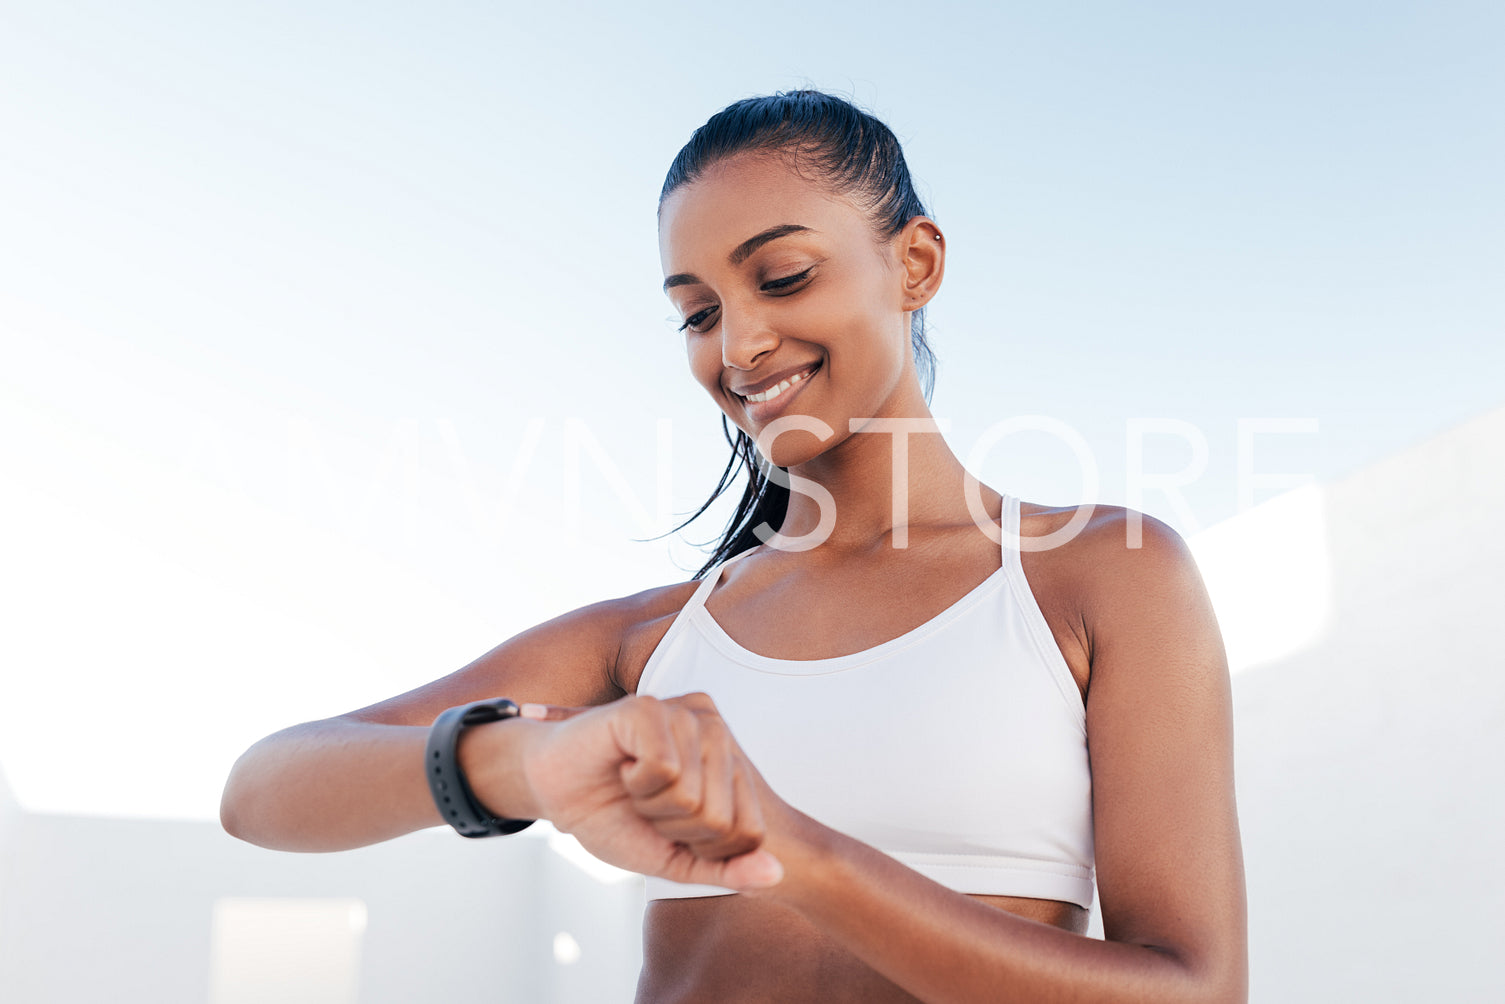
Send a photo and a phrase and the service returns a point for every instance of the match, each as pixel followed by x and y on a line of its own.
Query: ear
pixel 922 252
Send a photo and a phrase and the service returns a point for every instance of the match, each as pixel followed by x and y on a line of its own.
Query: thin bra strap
pixel 707 584
pixel 1009 523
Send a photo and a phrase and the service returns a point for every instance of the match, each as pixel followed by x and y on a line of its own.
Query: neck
pixel 893 477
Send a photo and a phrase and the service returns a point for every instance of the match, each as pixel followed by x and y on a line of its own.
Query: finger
pixel 682 799
pixel 549 712
pixel 699 702
pixel 645 735
pixel 752 867
pixel 724 833
pixel 731 821
pixel 706 830
pixel 750 828
pixel 748 872
pixel 745 873
pixel 718 805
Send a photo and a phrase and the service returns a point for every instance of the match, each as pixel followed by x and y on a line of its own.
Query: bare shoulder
pixel 1094 531
pixel 1136 578
pixel 1097 570
pixel 589 655
pixel 1131 586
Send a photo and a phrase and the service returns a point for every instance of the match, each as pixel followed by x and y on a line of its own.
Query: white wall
pixel 121 910
pixel 1371 765
pixel 10 817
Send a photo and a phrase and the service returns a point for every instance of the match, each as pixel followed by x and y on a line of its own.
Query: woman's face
pixel 778 280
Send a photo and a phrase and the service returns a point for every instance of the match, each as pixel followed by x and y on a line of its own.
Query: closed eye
pixel 697 320
pixel 787 281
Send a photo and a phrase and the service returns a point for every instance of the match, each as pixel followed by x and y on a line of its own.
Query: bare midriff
pixel 729 949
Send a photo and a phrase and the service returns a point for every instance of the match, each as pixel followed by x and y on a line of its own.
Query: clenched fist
pixel 654 786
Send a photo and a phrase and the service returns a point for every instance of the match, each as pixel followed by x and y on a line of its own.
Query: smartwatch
pixel 457 803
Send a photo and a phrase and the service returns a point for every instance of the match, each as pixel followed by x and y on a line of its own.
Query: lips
pixel 767 399
pixel 775 386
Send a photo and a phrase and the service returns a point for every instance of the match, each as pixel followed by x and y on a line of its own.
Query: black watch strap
pixel 457 803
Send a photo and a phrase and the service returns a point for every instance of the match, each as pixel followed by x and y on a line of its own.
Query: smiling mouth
pixel 779 388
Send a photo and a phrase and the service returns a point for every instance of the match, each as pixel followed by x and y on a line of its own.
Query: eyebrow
pixel 741 252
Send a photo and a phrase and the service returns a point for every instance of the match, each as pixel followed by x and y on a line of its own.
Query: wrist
pixel 810 853
pixel 450 786
pixel 493 757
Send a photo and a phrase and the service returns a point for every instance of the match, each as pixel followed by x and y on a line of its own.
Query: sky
pixel 335 353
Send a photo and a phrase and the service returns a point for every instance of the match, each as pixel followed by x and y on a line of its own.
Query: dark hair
pixel 850 152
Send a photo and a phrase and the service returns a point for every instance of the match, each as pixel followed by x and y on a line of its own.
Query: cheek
pixel 705 363
pixel 873 349
pixel 704 355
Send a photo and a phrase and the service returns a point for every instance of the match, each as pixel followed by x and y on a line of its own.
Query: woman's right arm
pixel 358 778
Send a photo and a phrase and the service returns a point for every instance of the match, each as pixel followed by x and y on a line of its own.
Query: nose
pixel 745 339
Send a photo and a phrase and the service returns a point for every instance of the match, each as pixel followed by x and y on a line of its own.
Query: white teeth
pixel 775 391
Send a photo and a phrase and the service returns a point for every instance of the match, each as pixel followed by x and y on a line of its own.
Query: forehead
pixel 703 221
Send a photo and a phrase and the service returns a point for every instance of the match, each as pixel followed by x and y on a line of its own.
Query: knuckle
pixel 670 771
pixel 698 701
pixel 736 844
pixel 751 828
pixel 660 771
pixel 718 819
pixel 685 802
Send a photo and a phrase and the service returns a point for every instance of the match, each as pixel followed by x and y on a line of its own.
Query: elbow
pixel 1231 987
pixel 253 805
pixel 1224 976
pixel 233 814
pixel 1200 977
pixel 230 823
pixel 1214 980
pixel 1226 990
pixel 246 810
pixel 247 818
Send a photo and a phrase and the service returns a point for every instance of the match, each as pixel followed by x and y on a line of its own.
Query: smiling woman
pixel 879 749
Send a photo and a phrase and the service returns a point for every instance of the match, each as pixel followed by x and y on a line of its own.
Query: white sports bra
pixel 959 748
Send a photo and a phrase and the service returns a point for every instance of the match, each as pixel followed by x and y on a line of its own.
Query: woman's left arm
pixel 1169 865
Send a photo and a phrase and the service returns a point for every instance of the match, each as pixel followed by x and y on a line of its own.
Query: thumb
pixel 753 870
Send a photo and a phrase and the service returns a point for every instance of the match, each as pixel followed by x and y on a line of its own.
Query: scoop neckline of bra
pixel 835 663
pixel 812 667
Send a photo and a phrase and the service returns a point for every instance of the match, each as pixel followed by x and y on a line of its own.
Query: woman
pixel 878 754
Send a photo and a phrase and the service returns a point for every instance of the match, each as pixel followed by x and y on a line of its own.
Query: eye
pixel 695 320
pixel 788 281
pixel 700 320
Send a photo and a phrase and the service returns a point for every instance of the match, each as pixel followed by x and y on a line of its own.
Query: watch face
pixel 489 711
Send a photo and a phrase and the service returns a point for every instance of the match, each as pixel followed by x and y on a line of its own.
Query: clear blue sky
pixel 291 293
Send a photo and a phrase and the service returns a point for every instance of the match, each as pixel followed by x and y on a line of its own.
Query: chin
pixel 795 448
